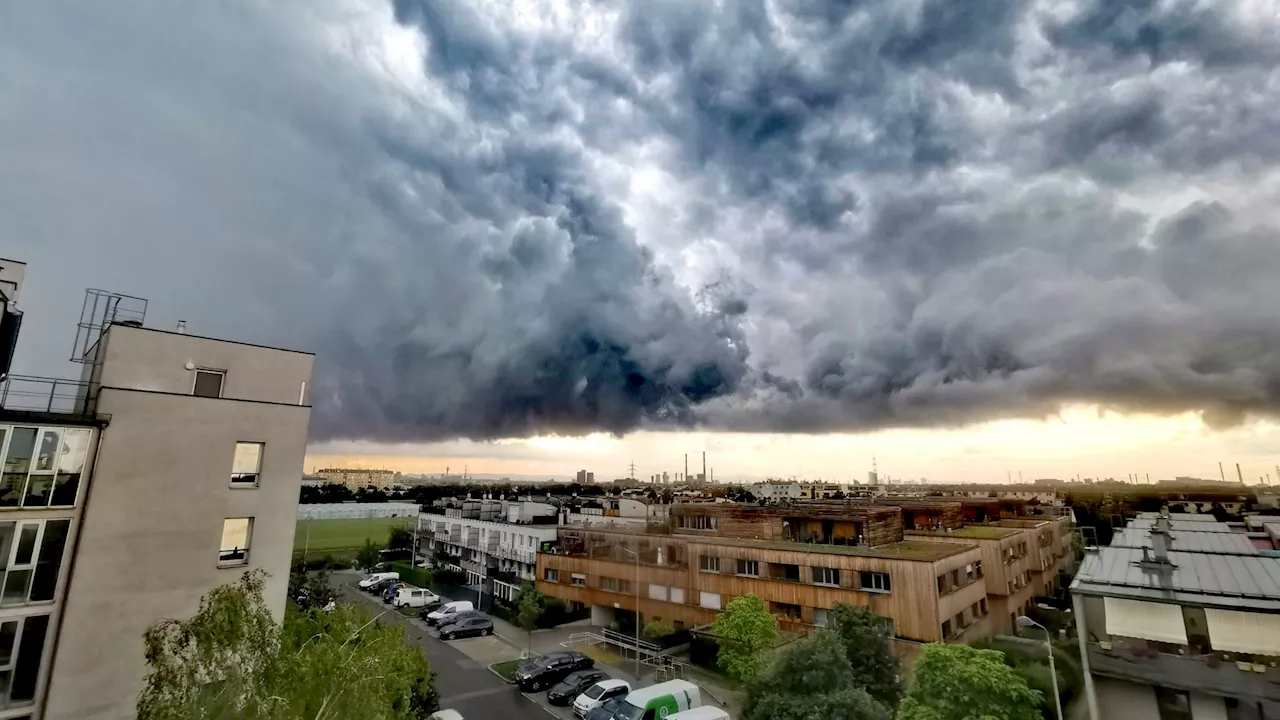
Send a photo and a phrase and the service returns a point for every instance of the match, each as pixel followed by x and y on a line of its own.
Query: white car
pixel 372 579
pixel 448 611
pixel 598 694
pixel 414 597
pixel 446 715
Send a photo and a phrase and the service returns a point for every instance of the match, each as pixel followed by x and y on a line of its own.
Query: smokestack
pixel 1220 472
pixel 704 466
pixel 686 467
pixel 1239 474
pixel 182 327
pixel 1148 478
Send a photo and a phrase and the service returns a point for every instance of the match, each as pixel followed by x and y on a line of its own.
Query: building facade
pixel 777 491
pixel 358 479
pixel 494 542
pixel 1179 622
pixel 169 469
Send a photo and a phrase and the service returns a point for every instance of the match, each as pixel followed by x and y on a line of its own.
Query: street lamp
pixel 636 553
pixel 1026 622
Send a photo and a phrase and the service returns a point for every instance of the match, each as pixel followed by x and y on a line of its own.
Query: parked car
pixel 467 626
pixel 429 608
pixel 572 686
pixel 706 712
pixel 380 586
pixel 599 694
pixel 414 597
pixel 605 711
pixel 550 669
pixel 445 715
pixel 661 700
pixel 447 611
pixel 390 591
pixel 368 581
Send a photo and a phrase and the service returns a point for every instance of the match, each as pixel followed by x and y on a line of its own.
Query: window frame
pixel 830 576
pixel 257 474
pixel 15 655
pixel 747 564
pixel 551 574
pixel 248 545
pixel 222 381
pixel 703 563
pixel 878 579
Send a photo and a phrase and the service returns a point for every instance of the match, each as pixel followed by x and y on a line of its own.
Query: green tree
pixel 232 660
pixel 744 629
pixel 811 680
pixel 957 682
pixel 310 588
pixel 400 539
pixel 865 638
pixel 369 556
pixel 529 606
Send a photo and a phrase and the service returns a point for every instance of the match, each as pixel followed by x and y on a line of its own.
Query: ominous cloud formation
pixel 500 218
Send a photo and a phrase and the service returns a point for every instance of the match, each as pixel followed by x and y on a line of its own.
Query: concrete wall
pixel 152 525
pixel 1120 700
pixel 154 360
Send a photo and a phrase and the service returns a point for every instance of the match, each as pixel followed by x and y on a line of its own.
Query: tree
pixel 400 540
pixel 744 629
pixel 232 660
pixel 369 556
pixel 811 680
pixel 310 588
pixel 865 638
pixel 529 606
pixel 956 682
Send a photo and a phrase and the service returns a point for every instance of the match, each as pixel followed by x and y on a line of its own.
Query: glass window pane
pixel 26 543
pixel 29 652
pixel 208 384
pixel 6 542
pixel 6 679
pixel 8 631
pixel 47 454
pixel 16 584
pixel 75 449
pixel 235 540
pixel 16 464
pixel 39 489
pixel 51 547
pixel 247 462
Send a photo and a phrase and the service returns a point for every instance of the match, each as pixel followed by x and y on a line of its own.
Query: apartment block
pixel 801 560
pixel 1179 620
pixel 495 542
pixel 357 479
pixel 171 467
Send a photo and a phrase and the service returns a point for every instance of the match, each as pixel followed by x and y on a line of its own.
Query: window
pixel 30 557
pixel 874 582
pixel 749 567
pixel 826 576
pixel 578 579
pixel 42 465
pixel 246 464
pixel 789 573
pixel 946 629
pixel 709 563
pixel 208 383
pixel 551 575
pixel 820 617
pixel 982 607
pixel 1173 704
pixel 677 595
pixel 698 522
pixel 958 621
pixel 657 592
pixel 786 610
pixel 18 670
pixel 235 541
pixel 17 463
pixel 615 585
pixel 709 600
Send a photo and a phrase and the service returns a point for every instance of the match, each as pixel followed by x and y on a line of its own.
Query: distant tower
pixel 1220 472
pixel 631 470
pixel 1239 474
pixel 686 467
pixel 704 466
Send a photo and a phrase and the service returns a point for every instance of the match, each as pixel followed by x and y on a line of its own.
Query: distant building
pixel 585 478
pixel 354 510
pixel 358 479
pixel 495 542
pixel 777 491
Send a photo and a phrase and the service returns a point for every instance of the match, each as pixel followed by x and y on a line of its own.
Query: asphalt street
pixel 464 684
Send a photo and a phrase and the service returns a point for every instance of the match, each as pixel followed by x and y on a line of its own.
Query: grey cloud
pixel 892 214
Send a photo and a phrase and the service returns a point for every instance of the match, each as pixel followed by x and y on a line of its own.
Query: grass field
pixel 331 536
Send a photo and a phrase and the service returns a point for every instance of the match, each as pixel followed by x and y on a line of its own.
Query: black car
pixel 550 669
pixel 467 626
pixel 429 608
pixel 381 586
pixel 572 686
pixel 605 711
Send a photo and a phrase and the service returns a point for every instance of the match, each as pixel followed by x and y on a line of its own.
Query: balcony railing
pixel 1186 672
pixel 41 394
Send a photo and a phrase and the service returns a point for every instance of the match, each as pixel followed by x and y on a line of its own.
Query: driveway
pixel 464 684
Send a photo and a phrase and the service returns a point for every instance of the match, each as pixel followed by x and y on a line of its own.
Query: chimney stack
pixel 704 466
pixel 182 327
pixel 1161 537
pixel 1239 474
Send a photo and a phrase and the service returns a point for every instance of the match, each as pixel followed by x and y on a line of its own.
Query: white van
pixel 706 712
pixel 448 610
pixel 414 597
pixel 659 701
pixel 599 694
pixel 372 579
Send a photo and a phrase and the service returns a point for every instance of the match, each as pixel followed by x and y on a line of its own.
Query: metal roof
pixel 1231 581
pixel 1218 543
pixel 1176 525
pixel 1186 517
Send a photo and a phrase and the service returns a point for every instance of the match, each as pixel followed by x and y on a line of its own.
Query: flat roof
pixel 1214 543
pixel 1176 525
pixel 1229 581
pixel 972 532
pixel 1187 517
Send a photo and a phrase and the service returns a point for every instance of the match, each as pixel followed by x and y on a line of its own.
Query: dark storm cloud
pixel 802 215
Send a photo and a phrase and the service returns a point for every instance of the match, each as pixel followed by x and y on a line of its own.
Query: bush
pixel 658 630
pixel 449 576
pixel 421 577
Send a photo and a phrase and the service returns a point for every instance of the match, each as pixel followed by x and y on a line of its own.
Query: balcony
pixel 524 555
pixel 45 395
pixel 1186 672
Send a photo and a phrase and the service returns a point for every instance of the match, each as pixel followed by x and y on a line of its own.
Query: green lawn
pixel 506 670
pixel 327 536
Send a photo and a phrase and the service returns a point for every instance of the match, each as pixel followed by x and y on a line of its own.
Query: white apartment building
pixel 357 479
pixel 777 491
pixel 169 469
pixel 495 542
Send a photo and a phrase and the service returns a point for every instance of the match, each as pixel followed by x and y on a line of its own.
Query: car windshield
pixel 627 711
pixel 594 692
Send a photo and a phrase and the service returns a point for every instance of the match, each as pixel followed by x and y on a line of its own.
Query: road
pixel 464 684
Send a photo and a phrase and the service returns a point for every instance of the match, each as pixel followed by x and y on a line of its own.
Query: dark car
pixel 379 587
pixel 605 711
pixel 467 626
pixel 430 608
pixel 389 592
pixel 550 669
pixel 572 686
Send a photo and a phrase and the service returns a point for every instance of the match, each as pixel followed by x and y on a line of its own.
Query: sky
pixel 971 239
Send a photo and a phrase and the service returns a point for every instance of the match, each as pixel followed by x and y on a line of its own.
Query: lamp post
pixel 636 553
pixel 1026 622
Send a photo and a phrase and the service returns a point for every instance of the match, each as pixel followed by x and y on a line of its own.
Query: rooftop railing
pixel 43 394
